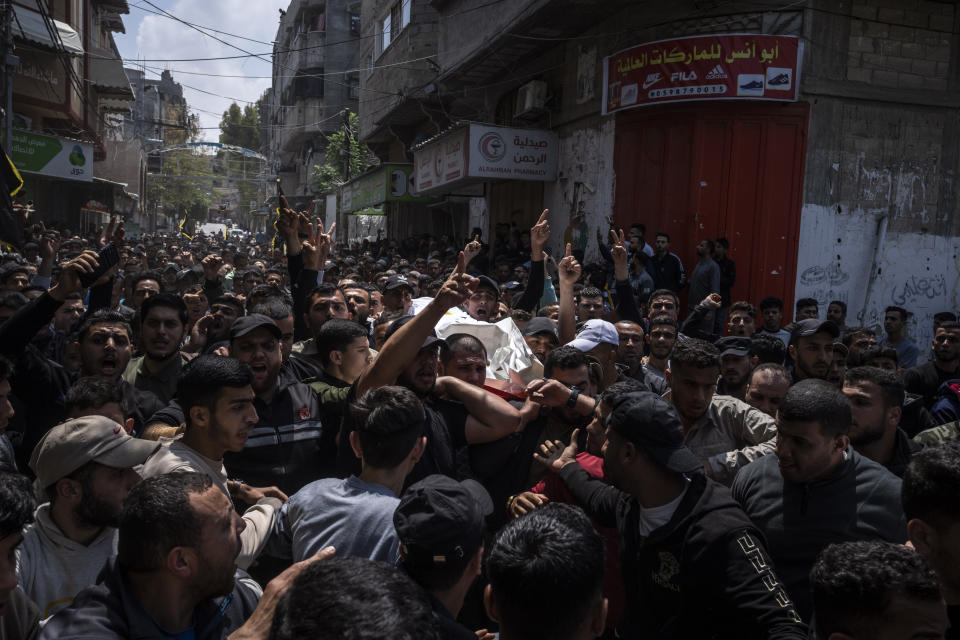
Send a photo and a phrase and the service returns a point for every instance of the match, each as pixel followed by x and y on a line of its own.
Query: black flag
pixel 11 232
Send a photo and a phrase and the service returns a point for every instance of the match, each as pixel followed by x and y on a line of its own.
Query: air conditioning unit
pixel 531 99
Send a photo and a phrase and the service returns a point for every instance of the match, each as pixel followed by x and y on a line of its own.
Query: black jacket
pixel 859 500
pixel 705 574
pixel 111 610
pixel 288 447
pixel 925 381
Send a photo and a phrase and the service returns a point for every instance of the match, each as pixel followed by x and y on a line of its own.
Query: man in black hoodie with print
pixel 693 564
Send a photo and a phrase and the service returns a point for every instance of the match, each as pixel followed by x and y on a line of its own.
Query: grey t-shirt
pixel 354 516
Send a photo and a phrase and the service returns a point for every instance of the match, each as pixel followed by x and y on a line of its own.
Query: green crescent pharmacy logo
pixel 76 156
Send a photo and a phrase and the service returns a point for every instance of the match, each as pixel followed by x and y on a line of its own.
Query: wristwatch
pixel 572 400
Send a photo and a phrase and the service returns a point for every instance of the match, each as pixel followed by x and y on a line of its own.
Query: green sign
pixel 51 156
pixel 386 183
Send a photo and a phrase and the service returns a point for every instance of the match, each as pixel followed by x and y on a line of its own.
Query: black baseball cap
pixel 542 325
pixel 490 283
pixel 397 281
pixel 652 423
pixel 733 346
pixel 246 324
pixel 441 521
pixel 399 322
pixel 811 326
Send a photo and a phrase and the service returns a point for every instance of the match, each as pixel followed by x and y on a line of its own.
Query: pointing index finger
pixel 569 250
pixel 543 216
pixel 461 264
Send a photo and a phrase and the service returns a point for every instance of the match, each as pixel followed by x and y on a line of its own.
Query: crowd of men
pixel 271 441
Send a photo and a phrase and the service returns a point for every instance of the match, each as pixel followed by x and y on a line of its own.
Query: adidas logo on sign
pixel 717 73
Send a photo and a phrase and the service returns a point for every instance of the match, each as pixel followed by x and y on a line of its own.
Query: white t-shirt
pixel 655 517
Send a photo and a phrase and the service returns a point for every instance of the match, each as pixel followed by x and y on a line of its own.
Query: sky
pixel 159 41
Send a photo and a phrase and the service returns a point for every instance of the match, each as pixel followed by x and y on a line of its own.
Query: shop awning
pixel 29 25
pixel 108 76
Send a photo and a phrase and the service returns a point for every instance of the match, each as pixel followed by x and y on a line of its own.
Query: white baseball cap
pixel 594 332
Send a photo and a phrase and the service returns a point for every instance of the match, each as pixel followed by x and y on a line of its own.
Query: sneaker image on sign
pixel 750 84
pixel 780 79
pixel 717 73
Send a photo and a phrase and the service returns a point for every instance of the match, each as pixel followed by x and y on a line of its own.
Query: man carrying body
pixel 541 336
pixel 817 489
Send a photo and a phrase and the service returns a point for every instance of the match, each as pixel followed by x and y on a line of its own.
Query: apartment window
pixel 309 83
pixel 353 87
pixel 392 24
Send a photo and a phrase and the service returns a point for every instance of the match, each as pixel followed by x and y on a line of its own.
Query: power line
pixel 226 33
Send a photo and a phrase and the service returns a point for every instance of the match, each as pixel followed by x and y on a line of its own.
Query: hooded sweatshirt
pixel 703 574
pixel 53 569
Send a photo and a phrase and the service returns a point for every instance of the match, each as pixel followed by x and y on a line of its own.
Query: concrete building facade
pixel 315 79
pixel 848 192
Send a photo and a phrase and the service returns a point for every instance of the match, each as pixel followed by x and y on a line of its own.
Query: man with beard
pixel 876 404
pixel 457 413
pixel 174 572
pixel 895 325
pixel 811 348
pixel 288 446
pixel 397 295
pixel 724 432
pixel 464 357
pixel 358 303
pixel 926 379
pixel 857 340
pixel 163 321
pixel 736 363
pixel 693 564
pixel 85 466
pixel 326 302
pixel 665 266
pixel 630 356
pixel 661 338
pixel 219 415
pixel 817 489
pixel 766 386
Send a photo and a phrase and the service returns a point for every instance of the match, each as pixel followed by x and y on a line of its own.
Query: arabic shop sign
pixel 718 67
pixel 50 156
pixel 480 152
pixel 386 183
pixel 442 161
pixel 518 154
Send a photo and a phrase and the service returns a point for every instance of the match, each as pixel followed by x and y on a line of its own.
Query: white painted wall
pixel 920 272
pixel 585 188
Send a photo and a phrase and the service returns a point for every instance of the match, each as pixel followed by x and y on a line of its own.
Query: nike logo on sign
pixel 651 80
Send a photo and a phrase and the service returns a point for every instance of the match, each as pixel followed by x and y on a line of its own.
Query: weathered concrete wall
pixel 879 221
pixel 581 201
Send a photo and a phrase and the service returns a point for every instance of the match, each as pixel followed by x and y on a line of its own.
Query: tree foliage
pixel 182 187
pixel 346 157
pixel 241 128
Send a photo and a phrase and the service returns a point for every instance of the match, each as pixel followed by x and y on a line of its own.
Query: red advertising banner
pixel 717 67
